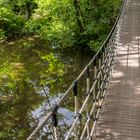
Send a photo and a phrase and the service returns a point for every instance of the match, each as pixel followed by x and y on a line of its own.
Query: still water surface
pixel 32 78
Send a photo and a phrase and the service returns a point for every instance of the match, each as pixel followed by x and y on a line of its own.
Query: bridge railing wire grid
pixel 98 74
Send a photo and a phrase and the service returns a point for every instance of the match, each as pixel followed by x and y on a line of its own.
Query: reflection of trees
pixel 15 115
pixel 25 72
pixel 18 95
pixel 73 67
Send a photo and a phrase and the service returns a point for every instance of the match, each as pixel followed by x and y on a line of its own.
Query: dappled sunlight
pixel 121 113
pixel 116 81
pixel 137 37
pixel 13 71
pixel 129 54
pixel 118 74
pixel 107 133
pixel 11 43
pixel 18 71
pixel 133 63
pixel 137 90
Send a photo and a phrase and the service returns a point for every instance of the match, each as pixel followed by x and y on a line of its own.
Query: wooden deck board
pixel 120 117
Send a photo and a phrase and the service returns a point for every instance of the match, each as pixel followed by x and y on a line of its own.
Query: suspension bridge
pixel 111 106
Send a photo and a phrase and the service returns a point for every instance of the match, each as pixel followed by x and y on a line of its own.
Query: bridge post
pixel 94 90
pixel 75 92
pixel 55 122
pixel 99 80
pixel 88 92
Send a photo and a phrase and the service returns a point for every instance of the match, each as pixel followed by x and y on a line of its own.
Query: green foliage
pixel 65 23
pixel 11 25
pixel 54 64
pixel 2 34
pixel 21 134
pixel 55 69
pixel 2 135
pixel 31 27
pixel 13 16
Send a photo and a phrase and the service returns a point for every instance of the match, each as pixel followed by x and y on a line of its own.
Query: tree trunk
pixel 78 14
pixel 29 12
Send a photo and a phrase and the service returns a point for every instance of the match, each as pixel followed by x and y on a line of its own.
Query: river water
pixel 32 78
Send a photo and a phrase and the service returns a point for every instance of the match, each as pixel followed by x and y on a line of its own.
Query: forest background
pixel 81 24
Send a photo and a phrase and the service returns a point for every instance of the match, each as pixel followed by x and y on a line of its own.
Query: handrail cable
pixel 103 62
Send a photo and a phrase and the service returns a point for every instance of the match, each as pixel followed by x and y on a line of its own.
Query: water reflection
pixel 32 80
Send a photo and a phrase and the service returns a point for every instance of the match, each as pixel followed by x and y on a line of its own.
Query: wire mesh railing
pixel 98 73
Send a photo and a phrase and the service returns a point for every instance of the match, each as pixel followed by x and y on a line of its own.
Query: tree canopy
pixel 31 72
pixel 63 23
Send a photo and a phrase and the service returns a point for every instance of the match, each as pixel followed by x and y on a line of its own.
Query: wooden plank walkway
pixel 120 118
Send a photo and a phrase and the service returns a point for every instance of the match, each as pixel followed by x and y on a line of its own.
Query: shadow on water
pixel 32 80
